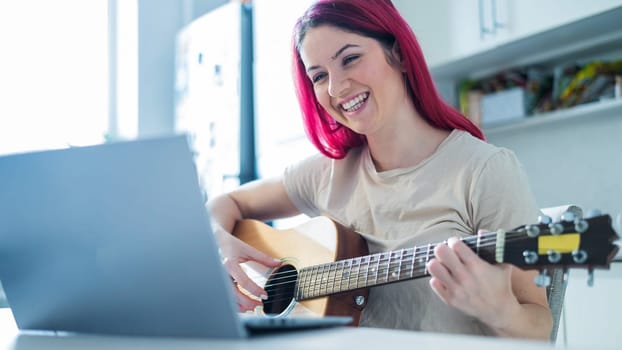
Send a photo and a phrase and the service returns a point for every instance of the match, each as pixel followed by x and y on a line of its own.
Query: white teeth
pixel 354 103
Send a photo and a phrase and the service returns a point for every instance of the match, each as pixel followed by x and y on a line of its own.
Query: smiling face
pixel 353 79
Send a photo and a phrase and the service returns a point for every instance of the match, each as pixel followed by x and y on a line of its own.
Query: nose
pixel 337 84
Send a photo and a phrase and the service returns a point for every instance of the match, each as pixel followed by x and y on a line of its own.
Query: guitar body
pixel 317 241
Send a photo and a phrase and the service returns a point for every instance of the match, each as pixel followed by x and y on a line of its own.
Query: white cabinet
pixel 452 29
pixel 526 17
pixel 591 313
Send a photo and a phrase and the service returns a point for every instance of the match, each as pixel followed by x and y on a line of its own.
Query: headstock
pixel 572 242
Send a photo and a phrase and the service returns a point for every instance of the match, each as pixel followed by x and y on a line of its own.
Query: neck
pixel 405 146
pixel 384 268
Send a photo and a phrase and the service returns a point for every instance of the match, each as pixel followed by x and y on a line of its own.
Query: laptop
pixel 115 239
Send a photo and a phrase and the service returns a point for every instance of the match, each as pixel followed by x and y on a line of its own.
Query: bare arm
pixel 264 199
pixel 501 296
pixel 261 200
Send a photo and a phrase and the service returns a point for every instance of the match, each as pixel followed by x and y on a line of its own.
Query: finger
pixel 245 303
pixel 440 273
pixel 260 257
pixel 463 252
pixel 242 279
pixel 439 289
pixel 447 257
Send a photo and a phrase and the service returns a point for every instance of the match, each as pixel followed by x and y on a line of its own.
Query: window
pixel 54 75
pixel 54 70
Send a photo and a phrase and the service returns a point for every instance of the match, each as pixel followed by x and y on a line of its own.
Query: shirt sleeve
pixel 501 195
pixel 303 181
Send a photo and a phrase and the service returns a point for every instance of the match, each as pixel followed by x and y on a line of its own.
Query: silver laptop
pixel 115 239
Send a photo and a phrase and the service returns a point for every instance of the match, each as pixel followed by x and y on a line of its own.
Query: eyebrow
pixel 334 57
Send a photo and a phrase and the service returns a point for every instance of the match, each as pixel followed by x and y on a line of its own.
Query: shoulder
pixel 482 155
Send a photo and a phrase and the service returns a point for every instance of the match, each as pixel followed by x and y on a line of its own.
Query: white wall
pixel 572 161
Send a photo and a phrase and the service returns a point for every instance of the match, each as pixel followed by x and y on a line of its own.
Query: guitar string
pixel 407 260
pixel 486 242
pixel 321 287
pixel 384 274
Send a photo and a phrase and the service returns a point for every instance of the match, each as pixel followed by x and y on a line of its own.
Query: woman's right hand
pixel 234 252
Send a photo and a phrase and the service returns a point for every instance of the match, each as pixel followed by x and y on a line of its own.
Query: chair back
pixel 556 291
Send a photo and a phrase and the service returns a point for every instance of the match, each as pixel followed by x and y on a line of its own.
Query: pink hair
pixel 380 20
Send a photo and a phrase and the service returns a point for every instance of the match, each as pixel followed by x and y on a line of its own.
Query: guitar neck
pixel 384 268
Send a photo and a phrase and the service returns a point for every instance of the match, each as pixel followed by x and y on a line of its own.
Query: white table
pixel 338 338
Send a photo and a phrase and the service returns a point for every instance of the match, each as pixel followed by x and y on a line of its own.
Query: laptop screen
pixel 112 238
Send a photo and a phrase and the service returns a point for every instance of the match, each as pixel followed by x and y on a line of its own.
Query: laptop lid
pixel 112 239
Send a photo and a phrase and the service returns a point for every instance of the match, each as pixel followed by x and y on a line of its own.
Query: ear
pixel 396 54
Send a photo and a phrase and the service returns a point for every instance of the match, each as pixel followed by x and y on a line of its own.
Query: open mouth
pixel 355 103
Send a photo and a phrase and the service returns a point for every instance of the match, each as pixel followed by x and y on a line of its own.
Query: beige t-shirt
pixel 465 186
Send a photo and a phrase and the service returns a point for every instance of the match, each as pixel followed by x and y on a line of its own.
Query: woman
pixel 399 166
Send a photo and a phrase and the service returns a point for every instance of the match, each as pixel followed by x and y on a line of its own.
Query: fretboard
pixel 383 268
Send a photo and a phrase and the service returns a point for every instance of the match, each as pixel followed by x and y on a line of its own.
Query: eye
pixel 350 58
pixel 318 77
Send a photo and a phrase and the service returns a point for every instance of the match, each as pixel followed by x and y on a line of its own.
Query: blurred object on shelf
pixel 503 106
pixel 470 95
pixel 594 81
pixel 538 91
pixel 475 103
pixel 527 91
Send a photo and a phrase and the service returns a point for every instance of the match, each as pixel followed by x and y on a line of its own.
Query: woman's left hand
pixel 465 281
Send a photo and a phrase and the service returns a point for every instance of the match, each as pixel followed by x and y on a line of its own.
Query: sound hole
pixel 280 287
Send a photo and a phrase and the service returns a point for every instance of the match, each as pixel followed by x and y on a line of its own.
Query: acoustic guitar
pixel 331 273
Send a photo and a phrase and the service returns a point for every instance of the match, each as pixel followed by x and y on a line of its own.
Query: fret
pixel 331 278
pixel 477 245
pixel 427 259
pixel 349 274
pixel 345 275
pixel 339 276
pixel 396 261
pixel 412 264
pixel 303 282
pixel 399 268
pixel 307 285
pixel 315 282
pixel 368 259
pixel 324 286
pixel 388 267
pixel 358 271
pixel 326 280
pixel 379 257
pixel 299 285
pixel 321 280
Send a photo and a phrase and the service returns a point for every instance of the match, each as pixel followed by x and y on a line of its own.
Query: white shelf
pixel 612 108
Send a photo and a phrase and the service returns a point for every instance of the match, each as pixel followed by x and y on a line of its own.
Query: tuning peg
pixel 579 256
pixel 556 228
pixel 577 211
pixel 542 279
pixel 532 230
pixel 554 257
pixel 592 213
pixel 568 216
pixel 581 225
pixel 530 257
pixel 544 219
pixel 590 277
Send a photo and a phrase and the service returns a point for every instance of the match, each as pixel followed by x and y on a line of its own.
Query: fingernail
pixel 264 297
